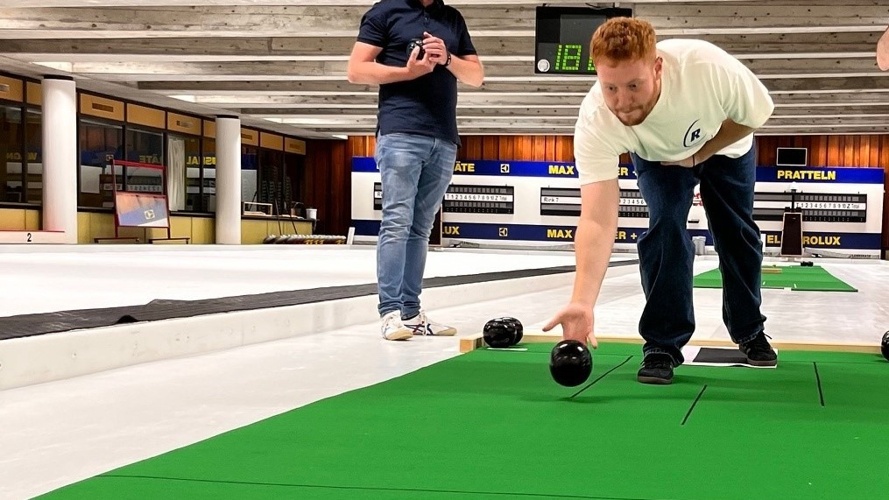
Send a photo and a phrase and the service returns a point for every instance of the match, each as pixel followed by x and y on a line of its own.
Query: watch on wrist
pixel 448 62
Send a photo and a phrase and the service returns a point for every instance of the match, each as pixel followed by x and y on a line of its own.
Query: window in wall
pixel 249 167
pixel 98 139
pixel 183 172
pixel 271 185
pixel 208 196
pixel 34 155
pixel 144 147
pixel 294 182
pixel 11 162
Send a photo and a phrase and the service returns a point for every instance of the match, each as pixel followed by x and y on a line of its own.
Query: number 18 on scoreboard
pixel 563 35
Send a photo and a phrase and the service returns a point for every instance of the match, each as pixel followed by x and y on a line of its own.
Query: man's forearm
pixel 469 72
pixel 729 133
pixel 592 247
pixel 374 73
pixel 594 242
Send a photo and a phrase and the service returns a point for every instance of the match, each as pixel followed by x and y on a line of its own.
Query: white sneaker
pixel 422 325
pixel 393 329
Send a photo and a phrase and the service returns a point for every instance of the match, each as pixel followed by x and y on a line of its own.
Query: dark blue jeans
pixel 666 253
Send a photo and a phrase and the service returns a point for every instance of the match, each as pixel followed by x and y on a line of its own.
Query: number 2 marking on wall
pixel 29 238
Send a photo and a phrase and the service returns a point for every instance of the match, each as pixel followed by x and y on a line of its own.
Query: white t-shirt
pixel 701 86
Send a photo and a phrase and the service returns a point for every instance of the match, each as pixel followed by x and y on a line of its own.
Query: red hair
pixel 623 39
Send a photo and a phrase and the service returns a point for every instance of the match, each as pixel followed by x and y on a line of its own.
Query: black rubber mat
pixel 26 325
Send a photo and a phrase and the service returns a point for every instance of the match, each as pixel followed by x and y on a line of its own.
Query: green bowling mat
pixel 492 425
pixel 794 277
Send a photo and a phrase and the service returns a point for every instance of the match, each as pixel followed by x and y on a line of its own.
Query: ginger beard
pixel 630 88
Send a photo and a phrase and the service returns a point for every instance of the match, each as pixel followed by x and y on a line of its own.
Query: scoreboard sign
pixel 539 203
pixel 566 202
pixel 468 199
pixel 832 207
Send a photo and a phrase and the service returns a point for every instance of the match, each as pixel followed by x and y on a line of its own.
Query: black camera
pixel 416 42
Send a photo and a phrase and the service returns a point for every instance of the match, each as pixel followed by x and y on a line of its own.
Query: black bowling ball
pixel 519 329
pixel 570 363
pixel 499 333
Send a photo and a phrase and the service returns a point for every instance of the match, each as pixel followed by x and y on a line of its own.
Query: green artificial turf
pixel 794 277
pixel 493 425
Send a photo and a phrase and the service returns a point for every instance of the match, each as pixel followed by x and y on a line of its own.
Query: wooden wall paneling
pixel 853 151
pixel 874 156
pixel 551 148
pixel 490 148
pixel 329 182
pixel 834 145
pixel 526 147
pixel 884 151
pixel 765 150
pixel 538 148
pixel 342 186
pixel 848 151
pixel 818 151
pixel 625 159
pixel 472 148
pixel 566 149
pixel 362 145
pixel 863 150
pixel 506 148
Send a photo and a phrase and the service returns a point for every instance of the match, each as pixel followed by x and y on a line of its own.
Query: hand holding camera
pixel 425 54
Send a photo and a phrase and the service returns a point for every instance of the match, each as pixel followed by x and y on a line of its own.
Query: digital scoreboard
pixel 563 35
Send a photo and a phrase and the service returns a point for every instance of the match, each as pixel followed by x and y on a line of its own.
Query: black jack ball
pixel 499 333
pixel 570 363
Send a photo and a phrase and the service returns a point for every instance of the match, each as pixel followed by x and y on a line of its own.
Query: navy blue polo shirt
pixel 426 105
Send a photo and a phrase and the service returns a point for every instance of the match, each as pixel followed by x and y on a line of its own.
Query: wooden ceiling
pixel 282 64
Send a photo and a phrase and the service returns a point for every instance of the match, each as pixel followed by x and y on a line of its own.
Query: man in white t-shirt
pixel 686 111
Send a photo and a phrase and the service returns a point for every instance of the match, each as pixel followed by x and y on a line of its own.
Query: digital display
pixel 563 35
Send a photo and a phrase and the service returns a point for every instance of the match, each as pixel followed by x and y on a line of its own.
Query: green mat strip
pixel 492 424
pixel 799 278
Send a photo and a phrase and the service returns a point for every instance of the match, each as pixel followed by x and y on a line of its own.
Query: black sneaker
pixel 656 368
pixel 759 352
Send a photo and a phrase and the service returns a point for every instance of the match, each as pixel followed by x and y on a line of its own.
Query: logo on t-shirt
pixel 692 135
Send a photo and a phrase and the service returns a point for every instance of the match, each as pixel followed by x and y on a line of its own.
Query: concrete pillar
pixel 60 165
pixel 228 180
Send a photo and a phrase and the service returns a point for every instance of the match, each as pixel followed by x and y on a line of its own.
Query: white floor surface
pixel 61 432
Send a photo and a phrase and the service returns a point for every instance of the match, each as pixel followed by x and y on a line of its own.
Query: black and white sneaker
pixel 759 352
pixel 656 368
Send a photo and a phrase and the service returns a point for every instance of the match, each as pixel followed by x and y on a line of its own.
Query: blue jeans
pixel 666 253
pixel 416 171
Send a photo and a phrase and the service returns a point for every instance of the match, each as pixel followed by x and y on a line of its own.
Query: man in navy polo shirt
pixel 415 50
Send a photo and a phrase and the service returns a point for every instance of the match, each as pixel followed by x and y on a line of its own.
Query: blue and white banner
pixel 842 207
